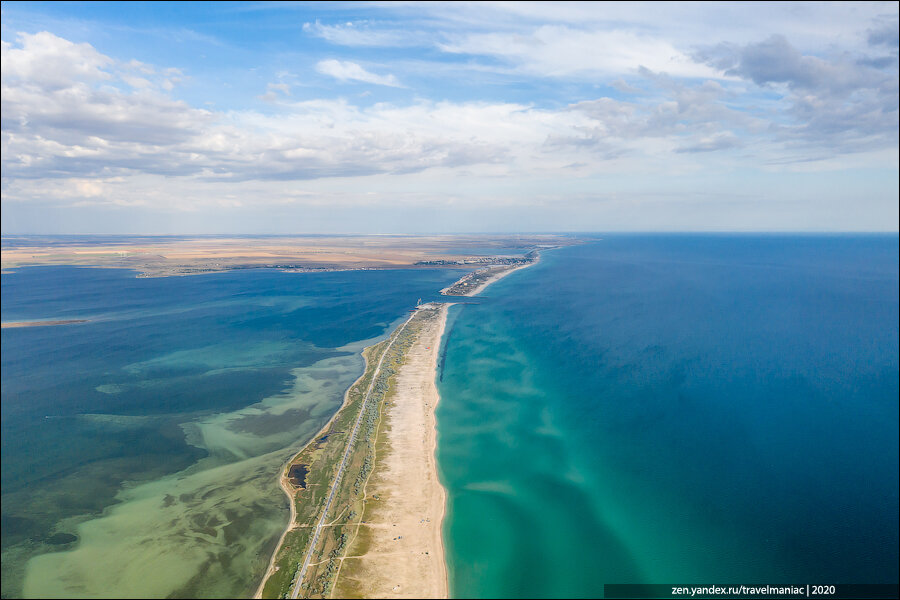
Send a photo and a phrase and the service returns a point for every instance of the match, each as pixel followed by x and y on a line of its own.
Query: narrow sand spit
pixel 398 551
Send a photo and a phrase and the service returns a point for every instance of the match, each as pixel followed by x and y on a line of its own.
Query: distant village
pixel 482 260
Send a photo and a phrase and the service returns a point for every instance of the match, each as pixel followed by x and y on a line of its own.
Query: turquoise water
pixel 675 409
pixel 140 450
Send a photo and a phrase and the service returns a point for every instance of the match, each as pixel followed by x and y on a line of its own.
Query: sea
pixel 684 409
pixel 675 409
pixel 141 449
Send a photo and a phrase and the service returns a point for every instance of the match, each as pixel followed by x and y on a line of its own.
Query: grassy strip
pixel 322 456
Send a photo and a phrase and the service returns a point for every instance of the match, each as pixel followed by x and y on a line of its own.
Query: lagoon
pixel 141 448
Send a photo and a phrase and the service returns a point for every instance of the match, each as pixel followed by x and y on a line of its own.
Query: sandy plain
pixel 160 256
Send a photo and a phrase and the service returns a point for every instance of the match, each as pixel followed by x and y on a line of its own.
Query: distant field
pixel 162 256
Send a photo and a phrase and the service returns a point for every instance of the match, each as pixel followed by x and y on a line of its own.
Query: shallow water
pixel 656 409
pixel 141 449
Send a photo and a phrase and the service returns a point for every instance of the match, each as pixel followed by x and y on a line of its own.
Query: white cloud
pixel 69 109
pixel 839 105
pixel 585 39
pixel 276 91
pixel 350 71
pixel 367 34
pixel 50 62
pixel 562 51
pixel 813 25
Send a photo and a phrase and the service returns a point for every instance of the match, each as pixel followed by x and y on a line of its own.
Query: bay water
pixel 141 449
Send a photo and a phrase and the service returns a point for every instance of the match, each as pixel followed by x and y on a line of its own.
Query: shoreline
pixel 433 456
pixel 401 503
pixel 292 494
pixel 286 487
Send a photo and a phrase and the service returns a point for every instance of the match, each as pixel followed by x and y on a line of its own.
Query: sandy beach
pixel 398 551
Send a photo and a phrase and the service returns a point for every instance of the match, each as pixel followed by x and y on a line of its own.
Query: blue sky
pixel 462 117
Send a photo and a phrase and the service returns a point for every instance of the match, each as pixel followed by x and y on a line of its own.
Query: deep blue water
pixel 165 351
pixel 675 408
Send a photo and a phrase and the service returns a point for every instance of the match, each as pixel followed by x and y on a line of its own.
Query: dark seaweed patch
pixel 58 539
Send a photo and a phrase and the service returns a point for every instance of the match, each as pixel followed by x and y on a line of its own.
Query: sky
pixel 348 117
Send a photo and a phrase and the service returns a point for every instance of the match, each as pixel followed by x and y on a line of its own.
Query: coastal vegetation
pixel 320 461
